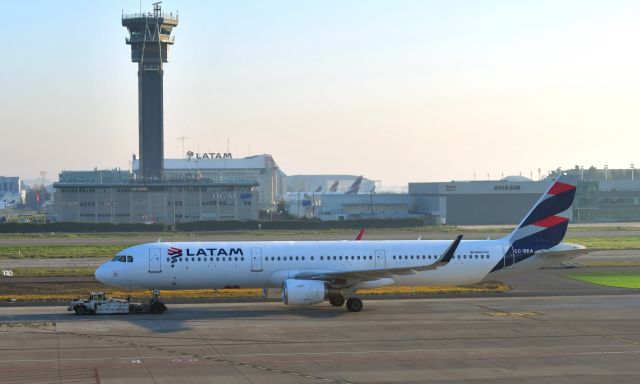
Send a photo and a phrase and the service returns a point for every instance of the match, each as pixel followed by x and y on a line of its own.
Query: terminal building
pixel 111 197
pixel 261 170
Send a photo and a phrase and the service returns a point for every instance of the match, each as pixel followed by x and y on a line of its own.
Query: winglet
pixel 448 254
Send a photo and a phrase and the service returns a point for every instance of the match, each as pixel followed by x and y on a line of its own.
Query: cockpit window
pixel 122 259
pixel 129 259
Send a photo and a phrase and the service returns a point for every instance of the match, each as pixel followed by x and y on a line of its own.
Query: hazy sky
pixel 396 90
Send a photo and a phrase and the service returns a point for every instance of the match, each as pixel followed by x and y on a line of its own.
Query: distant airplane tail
pixel 546 223
pixel 355 187
pixel 318 189
pixel 334 186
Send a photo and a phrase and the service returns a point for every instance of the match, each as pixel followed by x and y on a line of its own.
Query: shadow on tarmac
pixel 176 318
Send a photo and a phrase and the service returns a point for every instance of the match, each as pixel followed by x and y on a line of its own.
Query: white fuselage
pixel 201 265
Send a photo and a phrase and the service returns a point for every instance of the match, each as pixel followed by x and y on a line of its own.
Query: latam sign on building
pixel 208 155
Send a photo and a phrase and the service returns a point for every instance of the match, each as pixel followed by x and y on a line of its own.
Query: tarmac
pixel 549 329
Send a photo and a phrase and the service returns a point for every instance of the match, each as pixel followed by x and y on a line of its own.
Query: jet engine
pixel 303 292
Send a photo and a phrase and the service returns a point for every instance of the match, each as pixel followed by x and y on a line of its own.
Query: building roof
pixel 252 162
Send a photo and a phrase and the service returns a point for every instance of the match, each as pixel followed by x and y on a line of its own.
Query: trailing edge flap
pixel 374 274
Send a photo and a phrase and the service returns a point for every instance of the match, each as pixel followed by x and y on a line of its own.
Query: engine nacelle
pixel 303 292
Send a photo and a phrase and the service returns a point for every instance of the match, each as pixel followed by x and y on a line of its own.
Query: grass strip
pixel 70 291
pixel 58 251
pixel 626 279
pixel 54 271
pixel 617 243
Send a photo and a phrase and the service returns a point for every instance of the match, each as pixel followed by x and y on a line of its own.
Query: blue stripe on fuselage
pixel 526 247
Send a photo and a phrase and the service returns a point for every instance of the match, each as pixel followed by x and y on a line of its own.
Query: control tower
pixel 150 38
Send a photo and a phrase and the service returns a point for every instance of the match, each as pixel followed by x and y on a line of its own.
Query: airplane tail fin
pixel 355 187
pixel 544 226
pixel 334 186
pixel 546 223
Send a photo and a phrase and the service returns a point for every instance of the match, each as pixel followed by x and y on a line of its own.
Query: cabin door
pixel 381 260
pixel 154 260
pixel 256 260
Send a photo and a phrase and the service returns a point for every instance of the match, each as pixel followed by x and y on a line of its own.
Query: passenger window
pixel 224 259
pixel 168 259
pixel 311 258
pixel 303 258
pixel 297 258
pixel 193 259
pixel 129 259
pixel 180 259
pixel 236 259
pixel 242 259
pixel 198 259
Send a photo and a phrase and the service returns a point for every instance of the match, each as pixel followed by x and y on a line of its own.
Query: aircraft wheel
pixel 337 300
pixel 81 310
pixel 354 304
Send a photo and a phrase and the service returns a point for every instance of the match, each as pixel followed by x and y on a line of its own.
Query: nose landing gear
pixel 155 305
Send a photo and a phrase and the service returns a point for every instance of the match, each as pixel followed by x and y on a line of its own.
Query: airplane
pixel 307 199
pixel 310 272
pixel 355 187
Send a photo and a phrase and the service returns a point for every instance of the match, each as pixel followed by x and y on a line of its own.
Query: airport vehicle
pixel 97 303
pixel 310 272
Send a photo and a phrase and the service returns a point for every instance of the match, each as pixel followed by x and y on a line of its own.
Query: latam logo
pixel 177 252
pixel 208 155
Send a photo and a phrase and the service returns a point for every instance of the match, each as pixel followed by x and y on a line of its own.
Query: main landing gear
pixel 337 300
pixel 354 304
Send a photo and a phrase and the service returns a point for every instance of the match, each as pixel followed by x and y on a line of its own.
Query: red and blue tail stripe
pixel 544 226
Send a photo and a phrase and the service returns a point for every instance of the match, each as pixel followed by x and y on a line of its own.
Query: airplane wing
pixel 374 274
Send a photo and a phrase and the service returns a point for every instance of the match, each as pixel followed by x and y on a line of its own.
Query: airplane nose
pixel 102 274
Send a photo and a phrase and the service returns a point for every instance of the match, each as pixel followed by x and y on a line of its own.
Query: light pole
pixel 44 199
pixel 632 168
pixel 606 176
pixel 582 173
